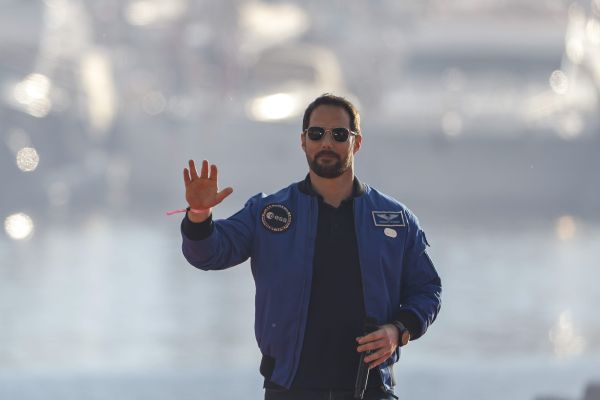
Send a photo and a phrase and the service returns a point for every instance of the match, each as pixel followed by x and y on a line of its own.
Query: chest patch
pixel 276 217
pixel 388 218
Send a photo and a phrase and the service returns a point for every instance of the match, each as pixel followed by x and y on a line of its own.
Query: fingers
pixel 186 177
pixel 223 194
pixel 378 361
pixel 193 173
pixel 204 169
pixel 375 345
pixel 377 355
pixel 373 336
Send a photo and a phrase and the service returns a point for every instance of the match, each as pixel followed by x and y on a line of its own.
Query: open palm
pixel 202 191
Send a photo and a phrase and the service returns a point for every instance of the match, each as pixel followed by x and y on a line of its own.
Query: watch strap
pixel 402 330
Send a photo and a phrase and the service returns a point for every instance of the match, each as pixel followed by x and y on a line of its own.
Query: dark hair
pixel 329 99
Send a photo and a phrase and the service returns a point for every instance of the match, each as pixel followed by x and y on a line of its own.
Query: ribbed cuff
pixel 197 230
pixel 411 322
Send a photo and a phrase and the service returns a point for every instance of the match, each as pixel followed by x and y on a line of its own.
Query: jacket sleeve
pixel 215 245
pixel 421 287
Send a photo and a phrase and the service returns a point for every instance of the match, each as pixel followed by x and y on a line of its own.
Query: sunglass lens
pixel 315 133
pixel 340 134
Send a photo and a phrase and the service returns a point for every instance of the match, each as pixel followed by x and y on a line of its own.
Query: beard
pixel 332 170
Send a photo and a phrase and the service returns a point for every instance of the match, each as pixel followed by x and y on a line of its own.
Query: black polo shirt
pixel 336 313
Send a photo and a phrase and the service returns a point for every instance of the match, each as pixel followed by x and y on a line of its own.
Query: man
pixel 326 254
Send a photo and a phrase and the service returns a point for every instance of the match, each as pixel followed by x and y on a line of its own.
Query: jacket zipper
pixel 362 278
pixel 296 361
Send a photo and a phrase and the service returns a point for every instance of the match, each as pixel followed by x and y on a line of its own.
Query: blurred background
pixel 481 116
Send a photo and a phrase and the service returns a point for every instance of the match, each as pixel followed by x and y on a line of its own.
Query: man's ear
pixel 303 141
pixel 357 143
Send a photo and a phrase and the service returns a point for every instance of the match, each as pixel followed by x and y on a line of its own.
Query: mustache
pixel 326 153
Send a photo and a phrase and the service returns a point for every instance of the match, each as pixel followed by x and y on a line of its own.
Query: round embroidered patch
pixel 276 217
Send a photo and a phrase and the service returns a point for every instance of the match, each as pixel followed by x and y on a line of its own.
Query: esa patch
pixel 388 218
pixel 276 217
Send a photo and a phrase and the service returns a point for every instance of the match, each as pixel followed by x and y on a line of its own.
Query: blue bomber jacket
pixel 277 232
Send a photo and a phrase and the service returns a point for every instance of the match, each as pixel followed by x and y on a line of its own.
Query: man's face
pixel 326 157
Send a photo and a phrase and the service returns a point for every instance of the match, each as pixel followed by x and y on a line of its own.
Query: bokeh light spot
pixel 564 338
pixel 146 12
pixel 27 159
pixel 559 82
pixel 141 13
pixel 575 50
pixel 18 226
pixel 452 123
pixel 283 19
pixel 273 107
pixel 98 83
pixel 566 227
pixel 592 30
pixel 33 94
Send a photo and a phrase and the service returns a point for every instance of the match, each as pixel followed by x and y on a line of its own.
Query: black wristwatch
pixel 403 333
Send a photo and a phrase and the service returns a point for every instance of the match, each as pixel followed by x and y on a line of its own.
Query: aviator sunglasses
pixel 339 134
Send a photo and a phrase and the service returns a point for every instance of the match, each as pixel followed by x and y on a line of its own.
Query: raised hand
pixel 202 191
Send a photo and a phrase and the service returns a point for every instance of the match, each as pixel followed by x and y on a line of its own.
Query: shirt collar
pixel 306 187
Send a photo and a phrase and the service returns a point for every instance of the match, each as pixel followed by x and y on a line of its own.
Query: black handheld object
pixel 363 369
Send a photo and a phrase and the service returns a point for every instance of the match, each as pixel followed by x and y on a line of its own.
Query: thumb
pixel 223 194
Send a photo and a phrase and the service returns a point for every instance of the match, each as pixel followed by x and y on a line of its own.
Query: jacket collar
pixel 306 187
